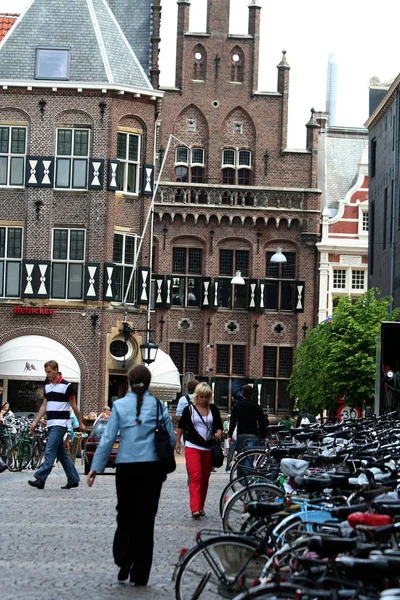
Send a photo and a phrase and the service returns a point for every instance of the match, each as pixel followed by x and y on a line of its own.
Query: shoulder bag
pixel 164 450
pixel 214 445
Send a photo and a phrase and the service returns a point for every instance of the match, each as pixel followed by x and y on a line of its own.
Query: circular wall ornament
pixel 215 103
pixel 122 350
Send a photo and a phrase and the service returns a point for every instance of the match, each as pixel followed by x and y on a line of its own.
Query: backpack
pixel 305 421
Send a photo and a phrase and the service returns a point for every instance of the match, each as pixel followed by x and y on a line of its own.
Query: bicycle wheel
pixel 12 459
pixel 235 516
pixel 254 462
pixel 238 484
pixel 272 591
pixel 24 455
pixel 222 566
pixel 37 456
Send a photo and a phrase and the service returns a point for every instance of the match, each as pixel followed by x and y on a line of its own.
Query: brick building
pixel 343 180
pixel 230 193
pixel 77 122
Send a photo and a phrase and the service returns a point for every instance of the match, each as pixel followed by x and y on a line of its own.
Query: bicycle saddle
pixel 342 512
pixel 331 545
pixel 293 466
pixel 263 509
pixel 313 484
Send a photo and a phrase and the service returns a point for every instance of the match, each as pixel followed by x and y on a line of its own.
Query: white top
pixel 203 427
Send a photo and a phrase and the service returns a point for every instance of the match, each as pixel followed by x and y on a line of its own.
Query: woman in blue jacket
pixel 139 476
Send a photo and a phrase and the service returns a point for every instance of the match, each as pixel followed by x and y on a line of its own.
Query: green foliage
pixel 338 357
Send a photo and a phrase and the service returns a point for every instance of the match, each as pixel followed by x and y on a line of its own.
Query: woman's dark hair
pixel 139 380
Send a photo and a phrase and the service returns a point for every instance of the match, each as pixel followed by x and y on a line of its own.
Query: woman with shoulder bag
pixel 203 425
pixel 139 474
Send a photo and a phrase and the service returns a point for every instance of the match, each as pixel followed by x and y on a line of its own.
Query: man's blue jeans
pixel 246 442
pixel 55 449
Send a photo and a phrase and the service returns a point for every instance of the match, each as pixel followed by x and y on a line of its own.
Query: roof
pixel 99 51
pixel 6 22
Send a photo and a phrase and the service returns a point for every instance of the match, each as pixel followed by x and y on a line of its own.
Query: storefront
pixel 22 370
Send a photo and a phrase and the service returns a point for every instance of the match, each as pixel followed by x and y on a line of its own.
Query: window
pixel 68 256
pixel 237 61
pixel 280 283
pixel 124 251
pixel 277 368
pixel 185 356
pixel 52 63
pixel 199 63
pixel 231 359
pixel 72 158
pixel 128 153
pixel 236 167
pixel 365 221
pixel 12 156
pixel 189 165
pixel 373 157
pixel 230 261
pixel 10 261
pixel 357 279
pixel 186 291
pixel 339 279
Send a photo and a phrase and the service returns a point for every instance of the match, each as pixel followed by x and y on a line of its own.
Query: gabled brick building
pixel 230 193
pixel 77 114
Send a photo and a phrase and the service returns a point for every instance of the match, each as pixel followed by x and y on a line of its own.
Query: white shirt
pixel 203 426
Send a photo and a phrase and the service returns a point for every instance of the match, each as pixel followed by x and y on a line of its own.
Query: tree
pixel 337 358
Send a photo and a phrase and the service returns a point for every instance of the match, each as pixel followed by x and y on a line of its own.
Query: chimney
pixel 283 89
pixel 331 89
pixel 254 31
pixel 182 28
pixel 218 16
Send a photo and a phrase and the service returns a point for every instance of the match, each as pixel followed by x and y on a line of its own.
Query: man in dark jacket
pixel 250 421
pixel 305 418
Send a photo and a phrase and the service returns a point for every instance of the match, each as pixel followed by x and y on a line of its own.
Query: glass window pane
pixel 1 278
pixel 271 295
pixel 134 147
pixel 129 250
pixel 285 361
pixel 13 279
pixel 75 280
pixel 63 172
pixel 176 353
pixel 269 363
pixel 131 294
pixel 223 360
pixel 132 183
pixel 238 360
pixel 194 291
pixel 288 268
pixel 79 177
pixel 228 176
pixel 60 241
pixel 224 293
pixel 122 171
pixel 52 63
pixel 4 137
pixel 242 262
pixel 178 291
pixel 2 242
pixel 240 296
pixel 121 146
pixel 58 280
pixel 244 177
pixel 14 245
pixel 179 260
pixel 117 248
pixel 18 135
pixel 228 157
pixel 197 156
pixel 64 141
pixel 287 295
pixel 283 398
pixel 272 268
pixel 226 262
pixel 268 391
pixel 17 171
pixel 3 170
pixel 192 358
pixel 221 393
pixel 77 245
pixel 244 158
pixel 181 174
pixel 198 177
pixel 81 142
pixel 194 265
pixel 118 275
pixel 182 155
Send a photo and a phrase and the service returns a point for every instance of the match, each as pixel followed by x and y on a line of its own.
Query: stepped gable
pixel 99 51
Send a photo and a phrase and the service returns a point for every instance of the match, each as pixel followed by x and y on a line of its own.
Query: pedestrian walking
pixel 305 418
pixel 249 419
pixel 202 424
pixel 139 475
pixel 187 398
pixel 58 400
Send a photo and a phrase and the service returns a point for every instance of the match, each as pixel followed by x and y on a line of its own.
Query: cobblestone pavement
pixel 57 544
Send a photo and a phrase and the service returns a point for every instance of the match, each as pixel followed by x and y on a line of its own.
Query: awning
pixel 24 357
pixel 165 379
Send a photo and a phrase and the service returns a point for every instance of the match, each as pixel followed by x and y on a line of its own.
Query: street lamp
pixel 278 257
pixel 238 279
pixel 149 352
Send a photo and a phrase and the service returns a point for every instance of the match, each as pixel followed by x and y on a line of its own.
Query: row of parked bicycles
pixel 18 448
pixel 315 514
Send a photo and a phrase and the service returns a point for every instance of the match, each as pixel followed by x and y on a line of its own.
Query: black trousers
pixel 138 492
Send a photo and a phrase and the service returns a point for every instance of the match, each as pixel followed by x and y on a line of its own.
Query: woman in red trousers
pixel 202 422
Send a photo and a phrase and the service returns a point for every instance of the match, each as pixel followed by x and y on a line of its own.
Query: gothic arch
pixel 199 62
pixel 236 65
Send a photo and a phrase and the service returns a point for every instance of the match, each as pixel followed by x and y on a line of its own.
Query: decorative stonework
pixel 278 328
pixel 231 327
pixel 185 324
pixel 350 261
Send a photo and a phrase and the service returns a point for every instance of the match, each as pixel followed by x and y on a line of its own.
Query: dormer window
pixel 52 63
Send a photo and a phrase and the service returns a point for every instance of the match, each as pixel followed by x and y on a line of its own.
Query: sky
pixel 361 33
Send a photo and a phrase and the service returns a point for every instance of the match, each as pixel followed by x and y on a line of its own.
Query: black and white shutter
pixel 35 279
pixel 261 296
pixel 299 297
pixel 92 276
pixel 96 174
pixel 113 175
pixel 252 295
pixel 206 293
pixel 168 291
pixel 148 180
pixel 143 290
pixel 108 282
pixel 39 171
pixel 158 290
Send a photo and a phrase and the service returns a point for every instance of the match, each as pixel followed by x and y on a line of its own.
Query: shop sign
pixel 29 310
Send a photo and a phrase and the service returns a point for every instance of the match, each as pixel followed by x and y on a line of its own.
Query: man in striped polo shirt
pixel 59 398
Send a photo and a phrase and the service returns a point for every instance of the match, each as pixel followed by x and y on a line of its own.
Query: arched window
pixel 237 65
pixel 199 63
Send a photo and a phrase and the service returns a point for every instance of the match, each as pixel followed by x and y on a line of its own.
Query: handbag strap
pixel 206 424
pixel 158 409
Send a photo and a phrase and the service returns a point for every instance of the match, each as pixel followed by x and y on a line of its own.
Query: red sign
pixel 29 310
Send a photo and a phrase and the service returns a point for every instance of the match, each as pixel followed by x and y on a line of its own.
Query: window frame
pixel 233 297
pixel 276 379
pixel 125 267
pixel 6 261
pixel 189 280
pixel 284 284
pixel 72 158
pixel 52 49
pixel 68 261
pixel 124 170
pixel 190 164
pixel 184 346
pixel 238 166
pixel 229 371
pixel 14 155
